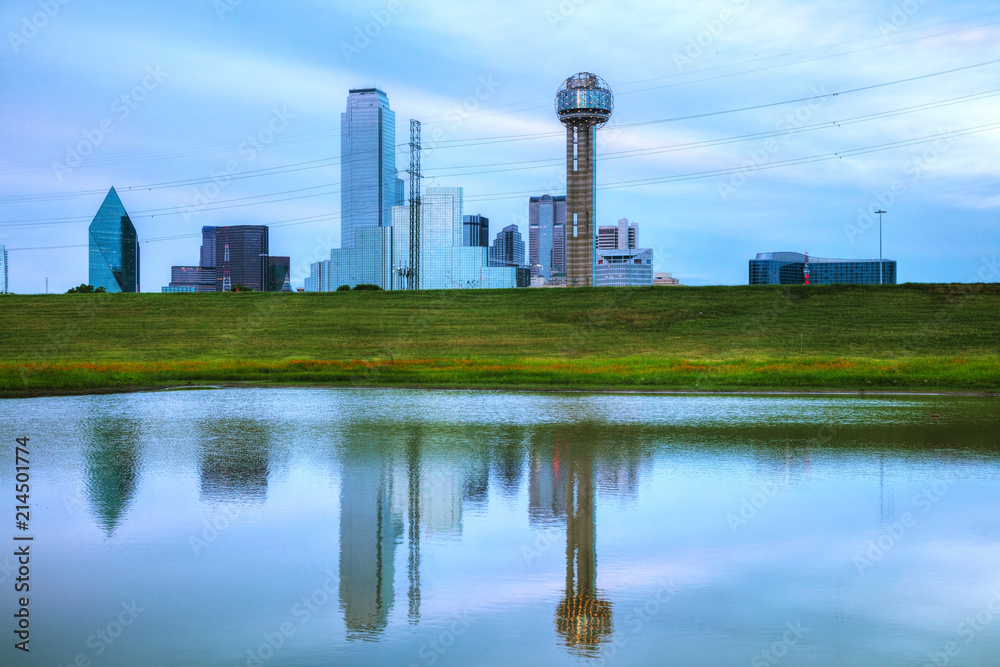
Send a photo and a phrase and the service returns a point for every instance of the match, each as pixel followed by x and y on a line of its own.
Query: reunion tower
pixel 584 102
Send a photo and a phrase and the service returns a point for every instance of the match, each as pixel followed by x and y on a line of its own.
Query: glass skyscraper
pixel 547 238
pixel 369 187
pixel 114 248
pixel 475 230
pixel 507 248
pixel 241 257
pixel 380 255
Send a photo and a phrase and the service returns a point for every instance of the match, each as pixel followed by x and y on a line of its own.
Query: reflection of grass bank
pixel 950 374
pixel 705 338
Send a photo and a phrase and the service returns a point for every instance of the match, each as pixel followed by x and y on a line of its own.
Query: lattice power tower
pixel 584 103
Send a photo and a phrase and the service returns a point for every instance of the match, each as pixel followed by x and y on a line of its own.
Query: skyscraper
pixel 583 103
pixel 114 248
pixel 475 231
pixel 241 257
pixel 369 187
pixel 207 247
pixel 507 248
pixel 547 238
pixel 278 271
pixel 622 236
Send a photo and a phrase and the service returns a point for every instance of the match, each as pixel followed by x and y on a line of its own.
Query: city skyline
pixel 145 111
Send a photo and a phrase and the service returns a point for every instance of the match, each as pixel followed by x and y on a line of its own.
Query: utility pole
pixel 880 278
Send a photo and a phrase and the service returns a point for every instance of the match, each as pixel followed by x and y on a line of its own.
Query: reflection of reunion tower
pixel 583 103
pixel 582 618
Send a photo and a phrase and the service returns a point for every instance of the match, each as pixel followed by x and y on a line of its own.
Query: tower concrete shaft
pixel 581 202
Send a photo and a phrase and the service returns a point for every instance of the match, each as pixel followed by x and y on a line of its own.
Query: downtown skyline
pixel 148 111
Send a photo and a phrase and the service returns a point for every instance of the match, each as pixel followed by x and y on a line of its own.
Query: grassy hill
pixel 851 337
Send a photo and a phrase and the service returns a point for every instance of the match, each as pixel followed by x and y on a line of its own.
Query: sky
pixel 740 126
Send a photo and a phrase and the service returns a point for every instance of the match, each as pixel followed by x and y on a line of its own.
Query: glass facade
pixel 792 268
pixel 475 231
pixel 114 248
pixel 278 269
pixel 547 237
pixel 199 278
pixel 241 257
pixel 624 267
pixel 369 187
pixel 507 248
pixel 207 247
pixel 175 289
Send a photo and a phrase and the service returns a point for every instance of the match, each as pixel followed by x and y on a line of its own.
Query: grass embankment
pixel 935 337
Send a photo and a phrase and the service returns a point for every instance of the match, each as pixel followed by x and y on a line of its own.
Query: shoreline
pixel 207 386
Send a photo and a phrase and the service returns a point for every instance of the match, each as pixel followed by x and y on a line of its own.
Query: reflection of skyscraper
pixel 370 529
pixel 112 469
pixel 582 618
pixel 507 459
pixel 547 483
pixel 235 460
pixel 442 486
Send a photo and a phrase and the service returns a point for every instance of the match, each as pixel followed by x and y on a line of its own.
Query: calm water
pixel 341 527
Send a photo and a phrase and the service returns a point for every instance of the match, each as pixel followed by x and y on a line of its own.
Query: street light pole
pixel 881 280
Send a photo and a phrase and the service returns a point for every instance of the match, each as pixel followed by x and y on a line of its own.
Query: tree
pixel 86 289
pixel 367 288
pixel 344 288
pixel 240 288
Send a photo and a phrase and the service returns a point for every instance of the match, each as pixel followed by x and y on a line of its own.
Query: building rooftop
pixel 801 257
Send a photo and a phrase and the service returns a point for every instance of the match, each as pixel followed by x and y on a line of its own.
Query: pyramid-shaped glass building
pixel 114 248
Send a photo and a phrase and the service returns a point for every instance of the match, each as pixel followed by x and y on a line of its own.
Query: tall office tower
pixel 547 238
pixel 583 104
pixel 507 248
pixel 114 248
pixel 369 187
pixel 207 247
pixel 475 231
pixel 622 236
pixel 278 271
pixel 4 284
pixel 241 257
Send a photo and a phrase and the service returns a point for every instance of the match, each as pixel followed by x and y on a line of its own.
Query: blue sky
pixel 192 99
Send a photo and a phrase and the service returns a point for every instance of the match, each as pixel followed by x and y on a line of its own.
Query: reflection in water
pixel 235 460
pixel 371 525
pixel 582 618
pixel 112 469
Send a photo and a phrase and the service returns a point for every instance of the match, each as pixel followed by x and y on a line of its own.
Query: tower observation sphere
pixel 584 99
pixel 584 102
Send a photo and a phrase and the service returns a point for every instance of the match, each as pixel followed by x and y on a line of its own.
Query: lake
pixel 300 527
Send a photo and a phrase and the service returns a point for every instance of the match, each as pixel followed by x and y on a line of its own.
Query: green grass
pixel 942 337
